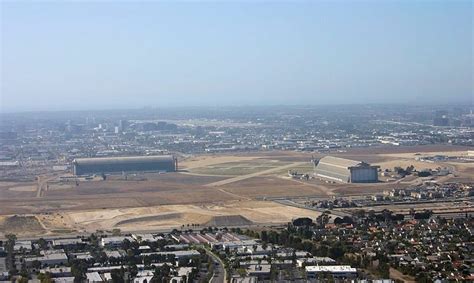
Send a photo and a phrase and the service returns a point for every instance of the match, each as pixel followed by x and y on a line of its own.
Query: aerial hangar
pixel 102 165
pixel 345 170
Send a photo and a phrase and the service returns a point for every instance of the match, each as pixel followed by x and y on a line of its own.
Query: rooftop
pixel 126 159
pixel 340 162
pixel 331 268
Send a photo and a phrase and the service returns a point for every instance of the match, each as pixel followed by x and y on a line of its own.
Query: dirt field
pixel 238 168
pixel 268 186
pixel 397 275
pixel 208 160
pixel 162 217
pixel 462 169
pixel 253 175
pixel 9 190
pixel 404 163
pixel 161 201
pixel 176 215
pixel 21 225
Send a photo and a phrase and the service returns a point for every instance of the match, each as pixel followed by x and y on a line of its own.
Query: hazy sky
pixel 95 55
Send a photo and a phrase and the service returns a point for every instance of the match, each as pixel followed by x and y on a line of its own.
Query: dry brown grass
pixel 269 186
pixel 172 216
pixel 13 190
pixel 174 199
pixel 206 160
pixel 21 225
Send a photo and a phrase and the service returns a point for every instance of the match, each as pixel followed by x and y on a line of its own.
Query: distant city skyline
pixel 104 55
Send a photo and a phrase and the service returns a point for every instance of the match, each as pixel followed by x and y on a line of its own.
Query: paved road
pixel 43 184
pixel 289 202
pixel 220 274
pixel 256 174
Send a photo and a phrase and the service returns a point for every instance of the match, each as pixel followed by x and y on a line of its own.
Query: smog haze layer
pixel 74 56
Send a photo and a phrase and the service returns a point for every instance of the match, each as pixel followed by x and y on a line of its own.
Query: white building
pixel 261 271
pixel 337 271
pixel 93 277
pixel 114 241
pixel 314 261
pixel 69 279
pixel 143 237
pixel 67 242
pixel 177 254
pixel 142 279
pixel 58 271
pixel 48 259
pixel 345 170
pixel 24 245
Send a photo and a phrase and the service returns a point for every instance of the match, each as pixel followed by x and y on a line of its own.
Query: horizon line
pixel 230 106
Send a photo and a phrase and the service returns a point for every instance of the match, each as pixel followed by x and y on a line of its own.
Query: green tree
pixel 43 243
pixel 45 277
pixel 78 270
pixel 117 275
pixel 10 248
pixel 383 269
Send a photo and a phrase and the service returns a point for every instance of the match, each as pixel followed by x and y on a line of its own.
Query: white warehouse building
pixel 345 170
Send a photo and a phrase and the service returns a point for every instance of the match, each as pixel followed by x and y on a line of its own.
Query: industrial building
pixel 337 271
pixel 59 258
pixel 345 170
pixel 88 166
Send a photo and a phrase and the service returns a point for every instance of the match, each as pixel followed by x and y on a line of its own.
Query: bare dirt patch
pixel 252 175
pixel 228 220
pixel 173 216
pixel 161 217
pixel 9 190
pixel 404 163
pixel 161 201
pixel 207 160
pixel 23 188
pixel 21 225
pixel 269 186
pixel 397 275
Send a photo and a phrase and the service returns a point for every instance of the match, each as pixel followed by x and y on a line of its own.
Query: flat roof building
pixel 48 259
pixel 337 271
pixel 261 271
pixel 22 245
pixel 177 254
pixel 345 170
pixel 159 163
pixel 94 277
pixel 67 242
pixel 114 241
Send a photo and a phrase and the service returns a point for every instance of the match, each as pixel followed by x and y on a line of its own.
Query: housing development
pixel 370 247
pixel 272 194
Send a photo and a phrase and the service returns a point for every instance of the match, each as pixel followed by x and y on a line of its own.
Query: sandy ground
pixel 463 169
pixel 252 175
pixel 206 160
pixel 170 200
pixel 412 155
pixel 270 186
pixel 397 275
pixel 166 216
pixel 23 189
pixel 404 163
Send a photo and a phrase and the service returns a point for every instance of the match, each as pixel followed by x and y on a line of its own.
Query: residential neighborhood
pixel 370 246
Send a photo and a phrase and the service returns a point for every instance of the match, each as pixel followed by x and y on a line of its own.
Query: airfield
pixel 234 189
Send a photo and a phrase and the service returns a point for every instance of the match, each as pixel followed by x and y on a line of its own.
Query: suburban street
pixel 220 274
